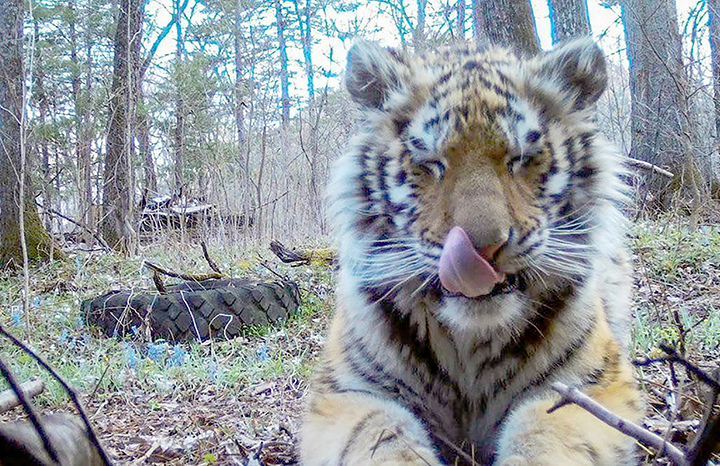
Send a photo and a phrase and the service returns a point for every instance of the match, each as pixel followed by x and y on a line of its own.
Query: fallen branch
pixel 20 444
pixel 673 356
pixel 189 277
pixel 33 416
pixel 90 432
pixel 575 396
pixel 648 166
pixel 31 389
pixel 213 265
pixel 289 256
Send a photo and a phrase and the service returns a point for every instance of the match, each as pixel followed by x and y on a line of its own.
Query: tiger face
pixel 475 174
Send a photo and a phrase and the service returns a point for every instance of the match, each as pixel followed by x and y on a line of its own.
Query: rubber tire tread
pixel 194 310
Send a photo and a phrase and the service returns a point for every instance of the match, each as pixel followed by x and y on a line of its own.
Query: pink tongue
pixel 463 270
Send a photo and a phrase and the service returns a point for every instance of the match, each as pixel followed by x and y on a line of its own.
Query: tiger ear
pixel 372 73
pixel 579 68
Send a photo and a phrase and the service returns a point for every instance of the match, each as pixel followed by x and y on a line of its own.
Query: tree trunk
pixel 713 7
pixel 179 135
pixel 38 241
pixel 87 134
pixel 241 93
pixel 304 23
pixel 284 74
pixel 568 18
pixel 661 124
pixel 42 103
pixel 117 190
pixel 506 22
pixel 460 26
pixel 419 32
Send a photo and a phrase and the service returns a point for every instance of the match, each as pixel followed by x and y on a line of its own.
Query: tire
pixel 193 310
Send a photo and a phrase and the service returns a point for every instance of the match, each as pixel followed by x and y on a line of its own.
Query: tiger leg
pixel 355 428
pixel 569 434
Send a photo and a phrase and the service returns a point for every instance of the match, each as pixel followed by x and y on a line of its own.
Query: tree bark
pixel 117 190
pixel 506 22
pixel 179 136
pixel 460 26
pixel 42 103
pixel 663 131
pixel 568 18
pixel 284 74
pixel 713 7
pixel 38 241
pixel 419 32
pixel 305 25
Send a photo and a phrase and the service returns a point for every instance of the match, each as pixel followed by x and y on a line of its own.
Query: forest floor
pixel 240 401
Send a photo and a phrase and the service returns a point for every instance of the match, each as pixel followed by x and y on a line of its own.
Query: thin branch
pixel 182 276
pixel 68 389
pixel 648 166
pixel 575 396
pixel 672 356
pixel 213 265
pixel 75 222
pixel 34 418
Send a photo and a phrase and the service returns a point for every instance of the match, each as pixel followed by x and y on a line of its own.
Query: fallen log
pixel 9 400
pixel 20 443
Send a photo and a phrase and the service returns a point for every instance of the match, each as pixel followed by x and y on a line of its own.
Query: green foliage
pixel 677 270
pixel 93 363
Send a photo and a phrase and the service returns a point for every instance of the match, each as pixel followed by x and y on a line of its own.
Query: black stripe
pixel 359 426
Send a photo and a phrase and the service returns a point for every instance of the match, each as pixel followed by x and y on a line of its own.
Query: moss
pixel 40 244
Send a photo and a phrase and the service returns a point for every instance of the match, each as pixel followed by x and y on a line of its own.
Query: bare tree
pixel 22 234
pixel 179 135
pixel 117 189
pixel 713 7
pixel 506 22
pixel 304 18
pixel 284 73
pixel 460 26
pixel 568 18
pixel 663 131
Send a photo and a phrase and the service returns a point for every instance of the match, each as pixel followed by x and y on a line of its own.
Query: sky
pixel 330 52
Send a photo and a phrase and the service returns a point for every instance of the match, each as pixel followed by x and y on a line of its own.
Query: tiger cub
pixel 482 258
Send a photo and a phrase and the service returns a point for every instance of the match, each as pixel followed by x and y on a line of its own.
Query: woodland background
pixel 238 104
pixel 112 114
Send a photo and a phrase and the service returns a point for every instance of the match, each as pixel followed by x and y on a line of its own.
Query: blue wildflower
pixel 177 357
pixel 156 352
pixel 17 316
pixel 263 353
pixel 63 336
pixel 131 355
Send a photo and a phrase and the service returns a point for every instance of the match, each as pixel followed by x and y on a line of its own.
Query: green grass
pixel 675 262
pixel 679 274
pixel 95 364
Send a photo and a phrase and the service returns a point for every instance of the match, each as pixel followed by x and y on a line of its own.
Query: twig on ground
pixel 648 166
pixel 158 282
pixel 31 389
pixel 213 265
pixel 32 415
pixel 189 277
pixel 71 392
pixel 672 356
pixel 575 396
